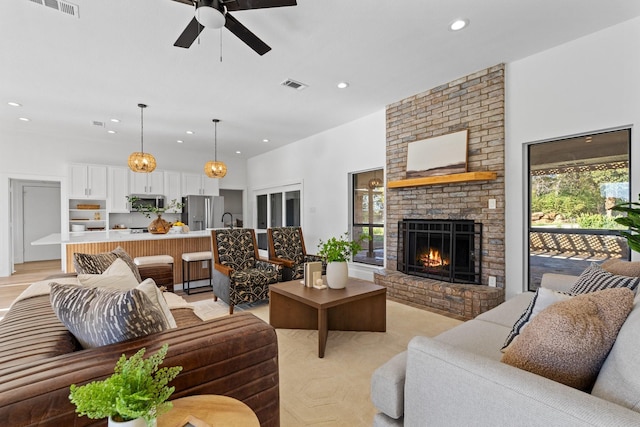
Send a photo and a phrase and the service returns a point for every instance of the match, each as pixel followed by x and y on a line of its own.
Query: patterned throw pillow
pixel 98 263
pixel 102 316
pixel 542 299
pixel 569 341
pixel 594 278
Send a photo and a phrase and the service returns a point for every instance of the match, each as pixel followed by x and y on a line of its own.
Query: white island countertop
pixel 115 236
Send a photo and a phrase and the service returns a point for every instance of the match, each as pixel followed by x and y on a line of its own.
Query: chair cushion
pixel 251 284
pixel 569 341
pixel 98 263
pixel 235 248
pixel 287 244
pixel 101 316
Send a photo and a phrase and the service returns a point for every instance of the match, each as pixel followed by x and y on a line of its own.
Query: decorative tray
pixel 81 206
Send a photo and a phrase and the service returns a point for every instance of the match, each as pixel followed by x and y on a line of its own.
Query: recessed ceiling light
pixel 179 141
pixel 343 85
pixel 24 119
pixel 265 140
pixel 115 120
pixel 190 132
pixel 111 131
pixel 14 104
pixel 458 24
pixel 238 152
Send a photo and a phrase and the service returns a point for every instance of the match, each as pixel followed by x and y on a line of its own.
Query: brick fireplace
pixel 476 103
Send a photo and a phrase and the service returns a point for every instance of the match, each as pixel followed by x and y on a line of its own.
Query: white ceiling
pixel 68 72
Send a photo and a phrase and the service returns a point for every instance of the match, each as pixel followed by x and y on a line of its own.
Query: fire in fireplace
pixel 447 250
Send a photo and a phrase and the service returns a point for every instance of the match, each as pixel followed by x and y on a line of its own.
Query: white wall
pixel 589 84
pixel 321 163
pixel 29 156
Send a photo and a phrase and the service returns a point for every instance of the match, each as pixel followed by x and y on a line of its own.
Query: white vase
pixel 337 275
pixel 138 422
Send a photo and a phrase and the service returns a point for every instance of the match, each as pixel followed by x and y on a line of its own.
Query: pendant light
pixel 215 169
pixel 140 161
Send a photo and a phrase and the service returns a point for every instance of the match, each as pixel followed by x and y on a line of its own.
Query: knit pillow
pixel 102 316
pixel 542 299
pixel 569 341
pixel 98 263
pixel 594 278
pixel 622 267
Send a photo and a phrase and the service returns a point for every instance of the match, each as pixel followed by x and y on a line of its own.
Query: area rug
pixel 334 391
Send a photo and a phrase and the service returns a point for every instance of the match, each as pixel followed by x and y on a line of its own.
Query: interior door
pixel 41 217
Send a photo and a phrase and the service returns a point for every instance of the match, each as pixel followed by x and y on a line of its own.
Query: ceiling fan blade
pixel 245 35
pixel 189 34
pixel 232 5
pixel 189 2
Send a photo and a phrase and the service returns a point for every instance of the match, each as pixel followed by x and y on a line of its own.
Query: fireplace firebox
pixel 447 250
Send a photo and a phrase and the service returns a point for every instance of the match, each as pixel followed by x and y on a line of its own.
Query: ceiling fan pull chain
pixel 220 44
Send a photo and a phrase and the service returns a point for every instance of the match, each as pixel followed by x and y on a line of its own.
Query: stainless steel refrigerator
pixel 202 212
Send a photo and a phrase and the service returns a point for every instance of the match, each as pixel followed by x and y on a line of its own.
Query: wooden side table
pixel 218 411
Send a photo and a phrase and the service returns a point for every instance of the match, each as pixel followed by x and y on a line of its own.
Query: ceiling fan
pixel 215 14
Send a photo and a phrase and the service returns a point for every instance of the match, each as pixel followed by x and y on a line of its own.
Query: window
pixel 573 183
pixel 276 207
pixel 367 200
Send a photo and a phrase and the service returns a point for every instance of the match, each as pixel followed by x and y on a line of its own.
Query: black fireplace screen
pixel 447 250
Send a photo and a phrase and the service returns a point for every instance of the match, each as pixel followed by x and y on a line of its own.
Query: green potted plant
pixel 158 225
pixel 136 393
pixel 632 220
pixel 336 252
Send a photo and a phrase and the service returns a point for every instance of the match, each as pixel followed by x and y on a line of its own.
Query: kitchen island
pixel 142 244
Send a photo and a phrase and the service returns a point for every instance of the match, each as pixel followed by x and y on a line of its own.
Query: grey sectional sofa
pixel 457 379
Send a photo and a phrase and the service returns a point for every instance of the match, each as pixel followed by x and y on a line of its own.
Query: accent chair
pixel 240 276
pixel 286 246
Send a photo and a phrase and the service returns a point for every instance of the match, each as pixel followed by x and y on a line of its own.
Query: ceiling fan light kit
pixel 215 14
pixel 214 168
pixel 139 161
pixel 210 14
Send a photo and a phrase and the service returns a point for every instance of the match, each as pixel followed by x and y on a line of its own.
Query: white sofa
pixel 457 379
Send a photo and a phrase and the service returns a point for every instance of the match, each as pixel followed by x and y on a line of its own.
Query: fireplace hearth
pixel 446 250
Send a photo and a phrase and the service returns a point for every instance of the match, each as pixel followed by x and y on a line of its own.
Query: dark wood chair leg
pixel 231 309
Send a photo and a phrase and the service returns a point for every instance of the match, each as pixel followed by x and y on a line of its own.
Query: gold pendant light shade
pixel 214 168
pixel 140 161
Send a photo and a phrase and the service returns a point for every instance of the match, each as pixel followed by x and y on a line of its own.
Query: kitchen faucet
pixel 225 214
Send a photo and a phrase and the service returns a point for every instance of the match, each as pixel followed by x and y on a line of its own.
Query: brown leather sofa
pixel 235 356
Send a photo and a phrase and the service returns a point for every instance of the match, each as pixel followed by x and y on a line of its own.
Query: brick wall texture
pixel 476 103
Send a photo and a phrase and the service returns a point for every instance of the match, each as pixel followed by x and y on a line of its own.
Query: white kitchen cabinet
pixel 172 188
pixel 118 189
pixel 146 183
pixel 199 184
pixel 87 181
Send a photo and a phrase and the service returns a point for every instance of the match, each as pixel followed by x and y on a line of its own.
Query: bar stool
pixel 157 267
pixel 187 259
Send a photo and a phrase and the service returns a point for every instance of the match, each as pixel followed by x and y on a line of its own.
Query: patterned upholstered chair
pixel 286 246
pixel 239 275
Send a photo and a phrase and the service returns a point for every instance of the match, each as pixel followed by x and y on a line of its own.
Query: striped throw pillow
pixel 594 278
pixel 102 316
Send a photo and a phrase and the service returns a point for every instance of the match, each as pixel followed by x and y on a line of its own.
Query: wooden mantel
pixel 443 179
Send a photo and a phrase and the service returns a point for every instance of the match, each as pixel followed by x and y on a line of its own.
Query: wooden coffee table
pixel 360 306
pixel 217 411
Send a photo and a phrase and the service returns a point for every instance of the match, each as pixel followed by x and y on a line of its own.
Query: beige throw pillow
pixel 117 276
pixel 622 267
pixel 569 341
pixel 155 295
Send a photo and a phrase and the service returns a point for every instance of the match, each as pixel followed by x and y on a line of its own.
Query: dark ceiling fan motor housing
pixel 193 29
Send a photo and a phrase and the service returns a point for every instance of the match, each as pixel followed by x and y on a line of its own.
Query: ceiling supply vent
pixel 96 122
pixel 294 84
pixel 62 6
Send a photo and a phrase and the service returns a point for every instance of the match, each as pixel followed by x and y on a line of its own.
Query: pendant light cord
pixel 215 136
pixel 141 128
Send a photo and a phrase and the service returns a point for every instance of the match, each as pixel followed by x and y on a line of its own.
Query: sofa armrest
pixel 558 282
pixel 446 386
pixel 236 356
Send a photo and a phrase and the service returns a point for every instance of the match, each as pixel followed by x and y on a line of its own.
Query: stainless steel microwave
pixel 145 202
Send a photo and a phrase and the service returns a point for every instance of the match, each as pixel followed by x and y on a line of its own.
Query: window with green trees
pixel 573 184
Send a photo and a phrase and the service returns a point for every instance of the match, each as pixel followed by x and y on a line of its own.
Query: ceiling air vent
pixel 96 122
pixel 294 84
pixel 62 6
